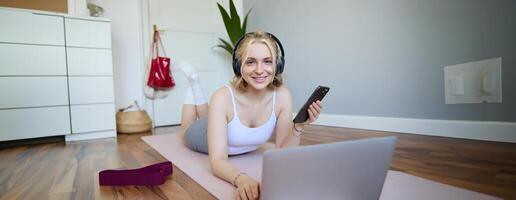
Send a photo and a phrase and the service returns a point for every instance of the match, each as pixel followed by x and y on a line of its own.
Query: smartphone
pixel 318 94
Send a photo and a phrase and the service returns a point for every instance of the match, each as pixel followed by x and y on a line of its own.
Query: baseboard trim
pixel 90 136
pixel 477 130
pixel 31 141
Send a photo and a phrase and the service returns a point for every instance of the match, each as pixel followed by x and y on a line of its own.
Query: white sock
pixel 189 98
pixel 189 71
pixel 197 93
pixel 193 79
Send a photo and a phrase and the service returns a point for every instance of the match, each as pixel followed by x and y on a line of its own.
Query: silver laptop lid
pixel 353 170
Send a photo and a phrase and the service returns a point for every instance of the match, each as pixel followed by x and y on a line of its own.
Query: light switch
pixel 491 80
pixel 474 82
pixel 457 85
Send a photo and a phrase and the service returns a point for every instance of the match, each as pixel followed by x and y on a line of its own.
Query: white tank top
pixel 242 139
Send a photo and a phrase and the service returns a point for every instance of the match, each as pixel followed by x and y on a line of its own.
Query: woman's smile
pixel 260 79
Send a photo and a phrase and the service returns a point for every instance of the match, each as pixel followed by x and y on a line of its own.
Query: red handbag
pixel 160 76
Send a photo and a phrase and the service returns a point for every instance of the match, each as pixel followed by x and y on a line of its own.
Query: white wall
pixel 386 58
pixel 384 61
pixel 127 48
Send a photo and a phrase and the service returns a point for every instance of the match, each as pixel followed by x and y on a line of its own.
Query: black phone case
pixel 318 94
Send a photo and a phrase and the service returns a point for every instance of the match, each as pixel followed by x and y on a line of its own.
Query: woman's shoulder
pixel 283 90
pixel 283 94
pixel 221 94
pixel 221 101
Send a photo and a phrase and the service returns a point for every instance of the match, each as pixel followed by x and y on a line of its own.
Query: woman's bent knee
pixel 195 137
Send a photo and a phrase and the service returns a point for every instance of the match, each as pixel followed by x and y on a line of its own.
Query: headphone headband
pixel 280 60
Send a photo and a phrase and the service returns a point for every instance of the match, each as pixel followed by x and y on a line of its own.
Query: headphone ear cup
pixel 236 61
pixel 280 65
pixel 236 67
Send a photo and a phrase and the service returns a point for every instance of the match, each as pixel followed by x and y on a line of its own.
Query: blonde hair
pixel 242 53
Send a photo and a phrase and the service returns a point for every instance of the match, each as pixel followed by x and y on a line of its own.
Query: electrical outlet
pixel 474 82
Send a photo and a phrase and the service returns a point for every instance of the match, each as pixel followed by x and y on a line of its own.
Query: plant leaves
pixel 225 18
pixel 234 15
pixel 244 26
pixel 228 49
pixel 226 45
pixel 235 28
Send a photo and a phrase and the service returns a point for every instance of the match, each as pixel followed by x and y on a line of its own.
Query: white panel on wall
pixel 474 82
pixel 84 90
pixel 44 60
pixel 44 122
pixel 85 33
pixel 88 118
pixel 26 27
pixel 84 61
pixel 33 91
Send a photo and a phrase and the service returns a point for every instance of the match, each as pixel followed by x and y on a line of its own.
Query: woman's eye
pixel 249 62
pixel 268 61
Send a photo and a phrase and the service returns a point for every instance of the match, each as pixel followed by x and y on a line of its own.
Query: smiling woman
pixel 245 114
pixel 261 48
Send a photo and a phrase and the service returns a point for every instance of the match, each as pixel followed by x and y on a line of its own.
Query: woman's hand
pixel 314 110
pixel 247 188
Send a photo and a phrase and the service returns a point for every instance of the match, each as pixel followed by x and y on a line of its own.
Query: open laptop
pixel 353 170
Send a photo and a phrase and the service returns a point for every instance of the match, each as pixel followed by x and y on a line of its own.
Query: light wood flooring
pixel 60 170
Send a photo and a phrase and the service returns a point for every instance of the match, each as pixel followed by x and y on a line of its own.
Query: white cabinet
pixel 86 61
pixel 31 28
pixel 24 59
pixel 56 76
pixel 23 92
pixel 34 122
pixel 87 33
pixel 93 118
pixel 90 78
pixel 91 90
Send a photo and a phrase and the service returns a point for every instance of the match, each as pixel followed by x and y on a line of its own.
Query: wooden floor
pixel 61 170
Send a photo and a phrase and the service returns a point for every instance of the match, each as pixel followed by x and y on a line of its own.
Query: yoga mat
pixel 403 186
pixel 196 165
pixel 397 186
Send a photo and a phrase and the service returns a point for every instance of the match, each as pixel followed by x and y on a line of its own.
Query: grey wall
pixel 386 58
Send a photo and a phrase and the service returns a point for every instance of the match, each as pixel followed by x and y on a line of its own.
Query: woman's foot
pixel 190 71
pixel 195 86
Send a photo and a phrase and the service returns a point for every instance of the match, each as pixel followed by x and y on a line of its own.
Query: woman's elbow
pixel 215 165
pixel 279 145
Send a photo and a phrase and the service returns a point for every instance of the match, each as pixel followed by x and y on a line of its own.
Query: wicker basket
pixel 133 122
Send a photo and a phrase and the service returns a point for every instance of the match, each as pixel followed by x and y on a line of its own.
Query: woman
pixel 244 114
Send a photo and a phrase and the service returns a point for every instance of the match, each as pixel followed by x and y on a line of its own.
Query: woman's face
pixel 258 68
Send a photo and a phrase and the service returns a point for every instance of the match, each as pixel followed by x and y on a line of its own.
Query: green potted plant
pixel 233 26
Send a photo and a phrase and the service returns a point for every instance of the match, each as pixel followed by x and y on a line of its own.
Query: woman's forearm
pixel 292 139
pixel 224 170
